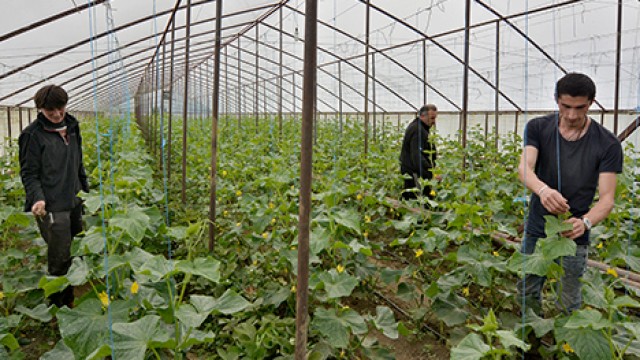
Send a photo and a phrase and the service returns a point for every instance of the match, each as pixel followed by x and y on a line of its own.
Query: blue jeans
pixel 569 287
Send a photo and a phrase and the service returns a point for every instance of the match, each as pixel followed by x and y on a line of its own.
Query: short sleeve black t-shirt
pixel 579 163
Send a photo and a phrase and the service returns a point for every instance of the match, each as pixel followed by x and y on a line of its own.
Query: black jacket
pixel 52 170
pixel 418 155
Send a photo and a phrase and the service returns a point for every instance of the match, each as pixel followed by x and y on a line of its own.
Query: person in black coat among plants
pixel 52 173
pixel 418 154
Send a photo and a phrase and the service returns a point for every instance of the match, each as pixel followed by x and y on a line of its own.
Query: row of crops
pixel 379 268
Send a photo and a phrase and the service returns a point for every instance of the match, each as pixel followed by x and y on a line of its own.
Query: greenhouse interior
pixel 289 179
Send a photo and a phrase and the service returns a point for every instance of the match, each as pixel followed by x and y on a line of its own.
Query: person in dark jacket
pixel 52 173
pixel 418 154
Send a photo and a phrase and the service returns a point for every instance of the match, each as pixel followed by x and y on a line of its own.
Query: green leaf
pixel 78 272
pixel 85 328
pixel 53 284
pixel 359 248
pixel 230 303
pixel 337 284
pixel 554 248
pixel 587 318
pixel 625 301
pixel 450 308
pixel 59 352
pixel 588 344
pixel 131 340
pixel 209 268
pixel 348 218
pixel 319 240
pixel 335 327
pixel 386 322
pixel 157 268
pixel 9 341
pixel 539 325
pixel 189 316
pixel 195 337
pixel 134 222
pixel 41 312
pixel 472 347
pixel 509 339
pixel 555 226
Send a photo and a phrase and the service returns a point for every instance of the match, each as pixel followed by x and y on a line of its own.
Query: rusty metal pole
pixel 366 80
pixel 214 127
pixel 226 83
pixel 465 80
pixel 309 86
pixel 616 96
pixel 255 101
pixel 373 97
pixel 280 78
pixel 293 92
pixel 9 122
pixel 185 105
pixel 496 99
pixel 424 72
pixel 29 115
pixel 340 94
pixel 20 118
pixel 239 85
pixel 171 64
pixel 515 126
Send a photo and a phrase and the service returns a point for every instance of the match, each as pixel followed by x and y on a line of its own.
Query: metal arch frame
pixel 443 48
pixel 133 54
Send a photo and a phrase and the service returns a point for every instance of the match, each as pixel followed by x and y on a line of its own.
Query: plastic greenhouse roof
pixel 105 54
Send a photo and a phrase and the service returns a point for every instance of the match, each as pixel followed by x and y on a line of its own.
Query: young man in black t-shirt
pixel 567 156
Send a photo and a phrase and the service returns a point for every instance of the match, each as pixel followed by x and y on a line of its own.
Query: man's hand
pixel 38 208
pixel 554 202
pixel 578 230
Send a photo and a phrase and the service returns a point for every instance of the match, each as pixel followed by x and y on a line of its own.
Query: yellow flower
pixel 104 298
pixel 366 234
pixel 367 218
pixel 225 213
pixel 1 295
pixel 599 246
pixel 255 262
pixel 293 187
pixel 495 253
pixel 135 287
pixel 293 288
pixel 273 221
pixel 224 172
pixel 265 235
pixel 238 224
pixel 612 272
pixel 340 268
pixel 465 291
pixel 238 193
pixel 391 210
pixel 567 348
pixel 419 252
pixel 271 205
pixel 432 193
pixel 359 197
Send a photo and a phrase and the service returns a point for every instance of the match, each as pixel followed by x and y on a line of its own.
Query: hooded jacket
pixel 51 165
pixel 418 154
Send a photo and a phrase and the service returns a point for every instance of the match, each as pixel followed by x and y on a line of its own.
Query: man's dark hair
pixel 576 84
pixel 426 108
pixel 51 97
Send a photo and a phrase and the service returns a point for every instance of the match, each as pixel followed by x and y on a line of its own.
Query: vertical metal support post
pixel 239 85
pixel 280 78
pixel 255 101
pixel 399 121
pixel 29 115
pixel 9 122
pixel 373 97
pixel 515 125
pixel 185 105
pixel 424 72
pixel 616 96
pixel 214 127
pixel 293 81
pixel 20 118
pixel 340 95
pixel 465 81
pixel 171 63
pixel 226 83
pixel 496 100
pixel 366 80
pixel 486 126
pixel 309 94
pixel 164 58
